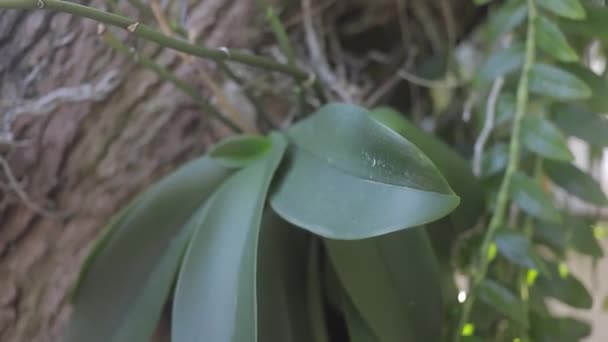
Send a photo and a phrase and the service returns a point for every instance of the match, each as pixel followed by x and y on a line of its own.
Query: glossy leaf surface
pixel 393 281
pixel 456 170
pixel 215 296
pixel 576 182
pixel 123 290
pixel 357 178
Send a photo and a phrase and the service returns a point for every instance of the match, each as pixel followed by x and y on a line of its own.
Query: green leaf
pixel 215 295
pixel 358 330
pixel 594 26
pixel 283 312
pixel 543 138
pixel 123 289
pixel 502 63
pixel 551 329
pixel 579 122
pixel 357 178
pixel 555 236
pixel 240 150
pixel 575 182
pixel 598 102
pixel 393 281
pixel 556 83
pixel 565 289
pixel 505 19
pixel 503 300
pixel 582 238
pixel 551 40
pixel 571 9
pixel 495 159
pixel 517 248
pixel 456 170
pixel 530 197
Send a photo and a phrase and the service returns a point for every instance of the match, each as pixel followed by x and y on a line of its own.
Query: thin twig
pixel 502 199
pixel 163 73
pixel 488 125
pixel 148 33
pixel 424 82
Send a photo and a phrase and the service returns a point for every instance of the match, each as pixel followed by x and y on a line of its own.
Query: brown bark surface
pixel 84 159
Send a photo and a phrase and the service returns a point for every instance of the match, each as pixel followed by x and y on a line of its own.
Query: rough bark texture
pixel 85 159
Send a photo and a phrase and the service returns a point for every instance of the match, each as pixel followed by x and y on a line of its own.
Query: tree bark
pixel 83 155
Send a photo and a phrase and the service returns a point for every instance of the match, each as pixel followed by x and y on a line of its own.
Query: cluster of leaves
pixel 264 232
pixel 567 98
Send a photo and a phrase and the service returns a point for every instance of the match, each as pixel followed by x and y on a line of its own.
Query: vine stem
pixel 148 33
pixel 502 200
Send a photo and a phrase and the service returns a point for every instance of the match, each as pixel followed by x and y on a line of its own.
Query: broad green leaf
pixel 556 83
pixel 358 329
pixel 598 102
pixel 555 236
pixel 503 300
pixel 581 123
pixel 503 21
pixel 240 150
pixel 530 197
pixel 594 25
pixel 316 302
pixel 553 41
pixel 124 287
pixel 215 295
pixel 283 312
pixel 551 329
pixel 571 9
pixel 455 169
pixel 565 289
pixel 502 63
pixel 543 138
pixel 393 281
pixel 495 159
pixel 357 178
pixel 576 182
pixel 517 248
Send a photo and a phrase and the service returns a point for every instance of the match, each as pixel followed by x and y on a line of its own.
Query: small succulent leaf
pixel 552 40
pixel 240 150
pixel 568 289
pixel 516 248
pixel 594 25
pixel 576 182
pixel 571 9
pixel 393 281
pixel 579 122
pixel 531 198
pixel 122 290
pixel 542 137
pixel 502 63
pixel 215 295
pixel 556 83
pixel 504 301
pixel 357 177
pixel 598 102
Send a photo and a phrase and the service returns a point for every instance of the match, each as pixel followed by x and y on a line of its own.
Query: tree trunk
pixel 91 129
